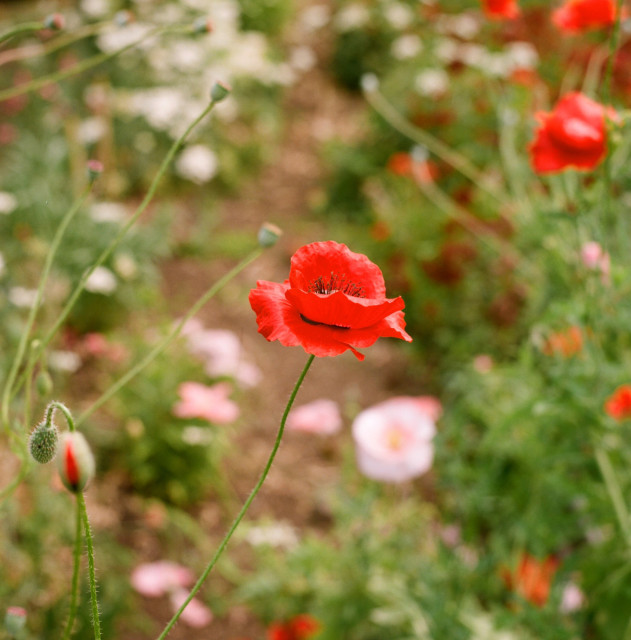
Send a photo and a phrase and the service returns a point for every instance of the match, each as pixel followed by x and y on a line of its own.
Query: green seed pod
pixel 44 384
pixel 42 443
pixel 269 235
pixel 14 621
pixel 219 91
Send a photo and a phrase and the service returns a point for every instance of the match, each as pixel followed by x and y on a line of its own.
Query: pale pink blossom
pixel 206 402
pixel 572 598
pixel 596 259
pixel 394 438
pixel 320 416
pixel 155 579
pixel 196 614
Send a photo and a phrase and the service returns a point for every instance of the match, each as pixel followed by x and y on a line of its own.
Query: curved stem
pixel 64 409
pixel 615 493
pixel 166 341
pixel 26 27
pixel 96 623
pixel 246 505
pixel 17 360
pixel 74 589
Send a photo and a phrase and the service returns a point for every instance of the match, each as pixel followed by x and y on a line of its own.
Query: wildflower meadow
pixel 315 320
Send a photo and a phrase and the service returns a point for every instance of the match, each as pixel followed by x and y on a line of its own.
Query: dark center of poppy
pixel 336 282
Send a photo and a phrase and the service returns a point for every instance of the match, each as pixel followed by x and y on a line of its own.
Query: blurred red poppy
pixel 564 343
pixel 533 578
pixel 301 627
pixel 576 16
pixel 618 405
pixel 572 135
pixel 498 9
pixel 335 300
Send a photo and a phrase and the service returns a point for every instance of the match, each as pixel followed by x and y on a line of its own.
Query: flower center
pixel 336 282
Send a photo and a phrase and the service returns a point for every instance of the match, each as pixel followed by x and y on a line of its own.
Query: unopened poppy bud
pixel 123 18
pixel 95 169
pixel 219 91
pixel 44 384
pixel 15 621
pixel 269 235
pixel 203 25
pixel 42 443
pixel 55 21
pixel 75 461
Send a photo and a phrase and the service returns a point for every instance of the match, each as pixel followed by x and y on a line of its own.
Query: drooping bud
pixel 95 169
pixel 269 235
pixel 219 91
pixel 42 443
pixel 75 462
pixel 44 383
pixel 55 21
pixel 15 621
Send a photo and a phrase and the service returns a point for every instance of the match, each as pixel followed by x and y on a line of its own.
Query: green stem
pixel 245 507
pixel 615 493
pixel 433 144
pixel 96 624
pixel 63 314
pixel 74 589
pixel 17 360
pixel 26 27
pixel 167 340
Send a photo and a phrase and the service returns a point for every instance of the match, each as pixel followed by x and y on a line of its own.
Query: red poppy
pixel 301 627
pixel 580 15
pixel 565 343
pixel 404 164
pixel 618 405
pixel 533 578
pixel 572 135
pixel 334 300
pixel 498 9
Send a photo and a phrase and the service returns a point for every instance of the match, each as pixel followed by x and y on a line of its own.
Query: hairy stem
pixel 96 623
pixel 74 589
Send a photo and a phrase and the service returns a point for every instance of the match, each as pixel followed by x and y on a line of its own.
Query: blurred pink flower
pixel 320 416
pixel 208 403
pixel 394 438
pixel 595 259
pixel 572 598
pixel 155 579
pixel 196 614
pixel 222 353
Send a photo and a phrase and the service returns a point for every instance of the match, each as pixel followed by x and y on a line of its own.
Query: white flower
pixel 398 15
pixel 446 50
pixel 353 16
pixel 522 55
pixel 95 8
pixel 315 17
pixel 302 58
pixel 197 163
pixel 67 361
pixel 91 130
pixel 101 280
pixel 196 436
pixel 22 297
pixel 125 265
pixel 463 25
pixel 8 202
pixel 119 37
pixel 432 82
pixel 108 212
pixel 406 46
pixel 276 534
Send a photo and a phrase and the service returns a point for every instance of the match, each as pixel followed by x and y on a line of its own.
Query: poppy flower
pixel 301 627
pixel 320 416
pixel 565 343
pixel 572 135
pixel 618 405
pixel 208 403
pixel 576 16
pixel 533 578
pixel 334 300
pixel 498 9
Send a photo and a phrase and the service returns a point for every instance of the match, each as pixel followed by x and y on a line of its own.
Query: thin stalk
pixel 246 505
pixel 26 27
pixel 615 493
pixel 74 589
pixel 167 340
pixel 64 409
pixel 96 623
pixel 17 360
pixel 63 314
pixel 433 144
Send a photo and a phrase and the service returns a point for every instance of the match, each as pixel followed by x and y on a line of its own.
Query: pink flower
pixel 155 579
pixel 595 259
pixel 572 598
pixel 196 614
pixel 208 403
pixel 320 416
pixel 394 438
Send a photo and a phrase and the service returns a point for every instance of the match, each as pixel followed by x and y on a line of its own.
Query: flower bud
pixel 14 620
pixel 95 169
pixel 75 462
pixel 55 21
pixel 44 384
pixel 123 18
pixel 42 443
pixel 203 25
pixel 269 235
pixel 219 91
